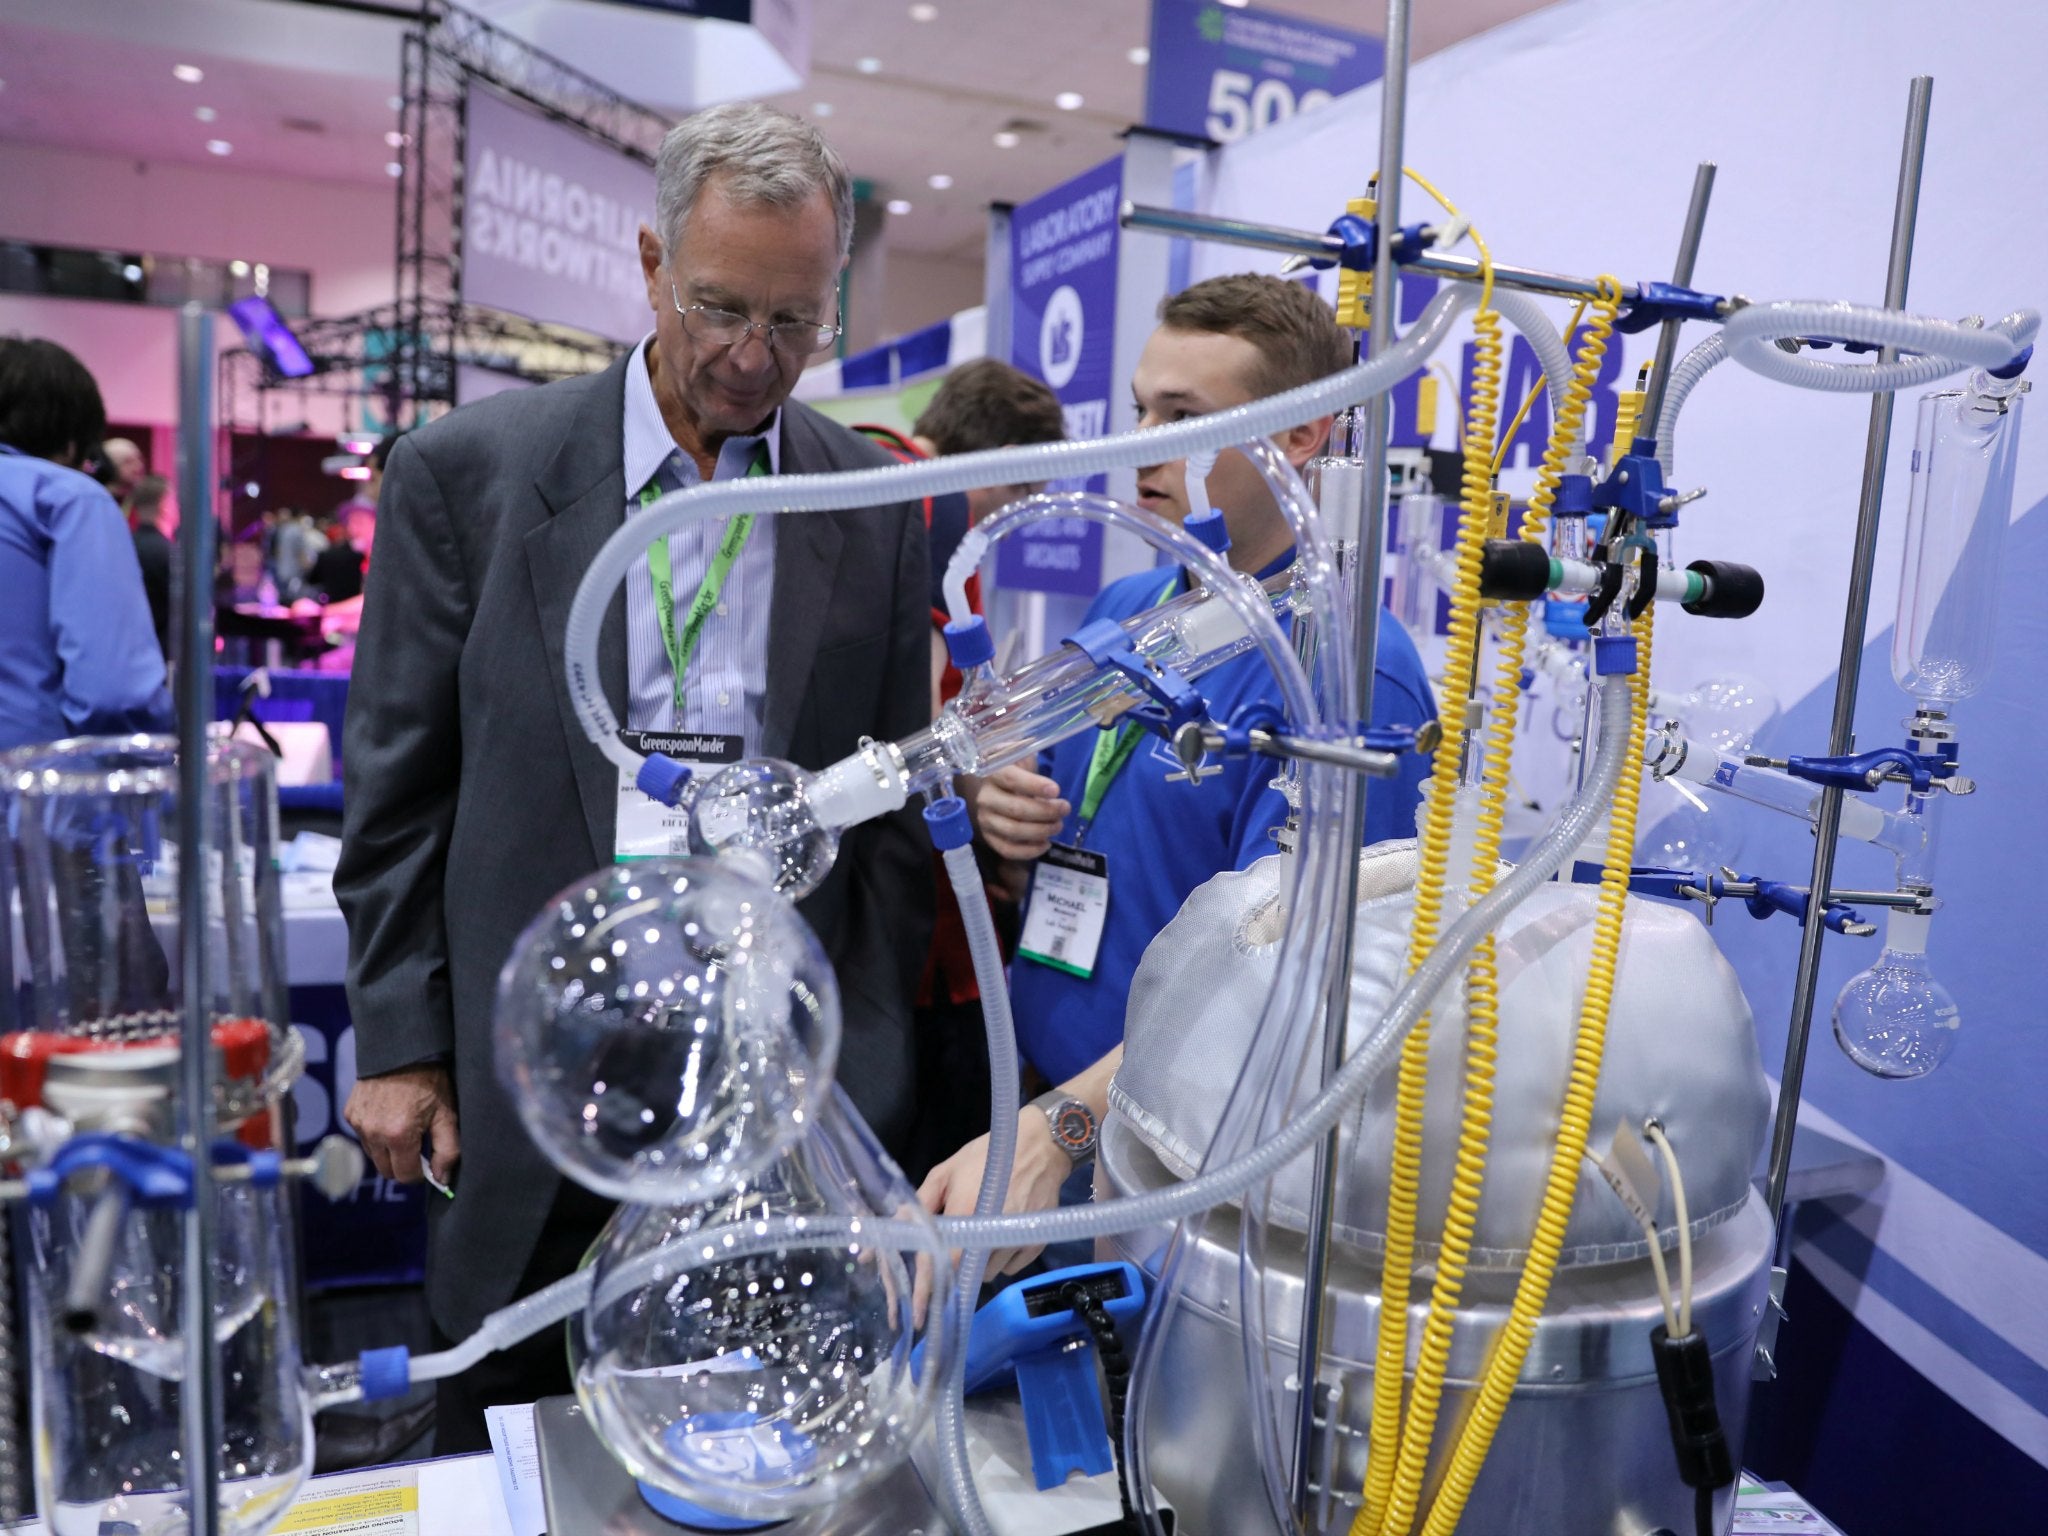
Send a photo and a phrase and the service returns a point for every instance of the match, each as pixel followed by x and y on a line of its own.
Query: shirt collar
pixel 648 442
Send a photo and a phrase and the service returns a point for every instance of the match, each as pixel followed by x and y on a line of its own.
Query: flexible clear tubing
pixel 1318 874
pixel 987 955
pixel 1685 377
pixel 935 477
pixel 1751 335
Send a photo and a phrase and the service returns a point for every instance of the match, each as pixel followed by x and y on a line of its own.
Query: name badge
pixel 647 829
pixel 1069 900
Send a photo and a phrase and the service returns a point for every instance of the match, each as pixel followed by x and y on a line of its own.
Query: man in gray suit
pixel 472 792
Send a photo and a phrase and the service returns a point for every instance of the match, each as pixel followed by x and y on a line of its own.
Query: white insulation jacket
pixel 1680 1046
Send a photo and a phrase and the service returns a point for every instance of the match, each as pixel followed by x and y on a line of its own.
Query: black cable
pixel 1703 1511
pixel 1116 1371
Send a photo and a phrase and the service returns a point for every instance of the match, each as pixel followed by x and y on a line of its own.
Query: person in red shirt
pixel 982 404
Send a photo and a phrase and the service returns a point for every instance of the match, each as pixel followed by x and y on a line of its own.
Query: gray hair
pixel 764 154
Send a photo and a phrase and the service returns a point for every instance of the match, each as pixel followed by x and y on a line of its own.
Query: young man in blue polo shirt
pixel 1106 794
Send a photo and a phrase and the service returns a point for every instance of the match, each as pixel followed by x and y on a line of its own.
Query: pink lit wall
pixel 339 231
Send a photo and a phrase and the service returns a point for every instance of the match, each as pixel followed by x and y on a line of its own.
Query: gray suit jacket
pixel 473 795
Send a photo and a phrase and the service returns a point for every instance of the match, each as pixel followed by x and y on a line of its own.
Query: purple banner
pixel 1222 72
pixel 551 221
pixel 1063 250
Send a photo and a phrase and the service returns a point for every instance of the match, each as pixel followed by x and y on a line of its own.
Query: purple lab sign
pixel 1063 249
pixel 1222 72
pixel 551 221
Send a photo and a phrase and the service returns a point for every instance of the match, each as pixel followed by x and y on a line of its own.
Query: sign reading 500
pixel 1225 71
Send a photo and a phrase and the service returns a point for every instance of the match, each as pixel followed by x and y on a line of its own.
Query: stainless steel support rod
pixel 1370 554
pixel 199 1393
pixel 1681 274
pixel 1300 242
pixel 1855 618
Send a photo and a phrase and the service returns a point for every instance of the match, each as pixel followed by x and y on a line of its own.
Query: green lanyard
pixel 682 647
pixel 1112 750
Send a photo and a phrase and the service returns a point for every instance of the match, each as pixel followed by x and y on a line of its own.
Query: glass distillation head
pixel 667 1027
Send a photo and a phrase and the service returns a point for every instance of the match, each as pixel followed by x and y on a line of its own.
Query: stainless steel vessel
pixel 1584 1449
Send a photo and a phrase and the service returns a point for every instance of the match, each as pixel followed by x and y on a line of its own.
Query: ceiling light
pixel 899 205
pixel 205 114
pixel 132 272
pixel 1140 55
pixel 219 147
pixel 940 182
pixel 397 103
pixel 924 13
pixel 1006 140
pixel 393 169
pixel 238 269
pixel 191 74
pixel 1237 5
pixel 395 139
pixel 1068 101
pixel 821 109
pixel 868 66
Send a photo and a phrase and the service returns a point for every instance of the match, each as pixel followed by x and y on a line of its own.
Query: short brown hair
pixel 1297 335
pixel 148 495
pixel 989 404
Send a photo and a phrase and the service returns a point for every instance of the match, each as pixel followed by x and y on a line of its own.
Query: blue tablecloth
pixel 294 695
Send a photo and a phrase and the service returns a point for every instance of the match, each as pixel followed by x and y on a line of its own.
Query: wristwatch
pixel 1072 1123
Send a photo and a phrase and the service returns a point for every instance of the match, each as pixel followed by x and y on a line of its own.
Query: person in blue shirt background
pixel 78 654
pixel 1219 343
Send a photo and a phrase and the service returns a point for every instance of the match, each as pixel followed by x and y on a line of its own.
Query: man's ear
pixel 650 267
pixel 1304 442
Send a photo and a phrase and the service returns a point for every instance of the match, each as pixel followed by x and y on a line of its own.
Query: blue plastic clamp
pixel 158 1178
pixel 1105 643
pixel 662 778
pixel 946 820
pixel 1636 486
pixel 1654 303
pixel 1574 496
pixel 1389 738
pixel 969 644
pixel 1564 618
pixel 1252 715
pixel 1359 245
pixel 1614 655
pixel 384 1373
pixel 1865 771
pixel 1209 529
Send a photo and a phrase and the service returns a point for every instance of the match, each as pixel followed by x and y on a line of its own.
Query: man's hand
pixel 1017 812
pixel 1037 1173
pixel 393 1112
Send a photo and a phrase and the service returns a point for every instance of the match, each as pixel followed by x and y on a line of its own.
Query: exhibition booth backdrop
pixel 1571 136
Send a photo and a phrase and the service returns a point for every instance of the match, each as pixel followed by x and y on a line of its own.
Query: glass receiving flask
pixel 667 1027
pixel 1965 455
pixel 760 1386
pixel 90 837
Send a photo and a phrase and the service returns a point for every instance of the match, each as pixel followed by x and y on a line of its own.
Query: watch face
pixel 1073 1126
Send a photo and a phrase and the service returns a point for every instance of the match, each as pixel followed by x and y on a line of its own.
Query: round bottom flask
pixel 768 1384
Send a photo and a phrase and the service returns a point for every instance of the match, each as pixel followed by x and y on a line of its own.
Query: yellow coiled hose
pixel 1405 1173
pixel 1588 1051
pixel 1468 1177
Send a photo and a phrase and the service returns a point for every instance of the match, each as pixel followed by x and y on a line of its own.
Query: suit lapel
pixel 807 548
pixel 584 487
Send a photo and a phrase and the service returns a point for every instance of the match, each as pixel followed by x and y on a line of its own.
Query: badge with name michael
pixel 1069 900
pixel 647 829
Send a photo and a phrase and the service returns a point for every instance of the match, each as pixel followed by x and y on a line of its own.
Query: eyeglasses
pixel 723 328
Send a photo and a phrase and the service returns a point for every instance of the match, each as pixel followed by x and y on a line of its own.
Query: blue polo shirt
pixel 1164 839
pixel 78 651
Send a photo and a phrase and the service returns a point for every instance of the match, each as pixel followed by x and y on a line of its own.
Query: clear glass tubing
pixel 1164 1206
pixel 1669 755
